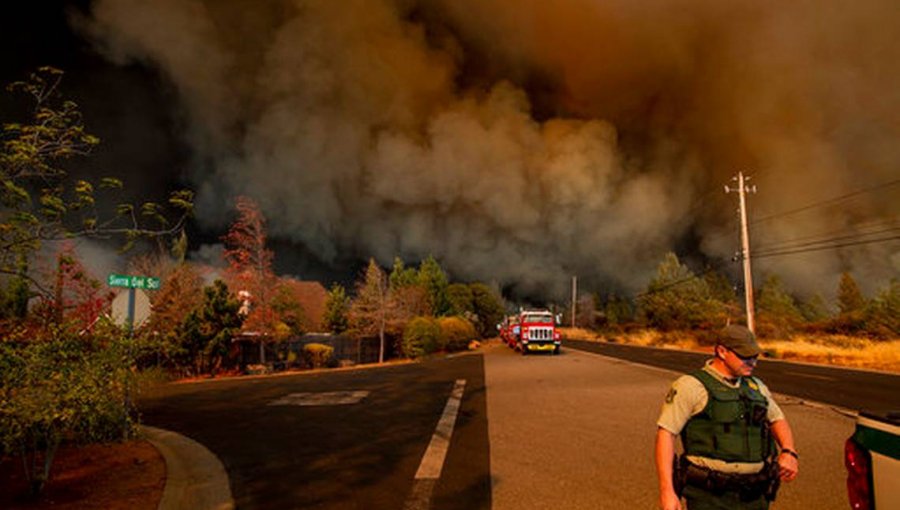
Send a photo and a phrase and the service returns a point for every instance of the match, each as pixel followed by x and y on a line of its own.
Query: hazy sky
pixel 517 141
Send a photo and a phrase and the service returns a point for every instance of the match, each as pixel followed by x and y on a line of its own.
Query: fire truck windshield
pixel 538 317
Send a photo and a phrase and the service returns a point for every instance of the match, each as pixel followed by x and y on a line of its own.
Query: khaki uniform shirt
pixel 687 397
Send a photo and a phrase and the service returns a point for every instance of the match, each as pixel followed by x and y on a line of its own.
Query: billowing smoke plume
pixel 523 141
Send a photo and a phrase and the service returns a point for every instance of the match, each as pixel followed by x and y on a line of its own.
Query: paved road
pixel 576 431
pixel 356 456
pixel 533 432
pixel 847 388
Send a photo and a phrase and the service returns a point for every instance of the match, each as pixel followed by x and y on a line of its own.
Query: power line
pixel 777 253
pixel 812 241
pixel 827 202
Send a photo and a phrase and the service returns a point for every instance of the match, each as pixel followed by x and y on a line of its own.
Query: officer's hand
pixel 787 467
pixel 668 500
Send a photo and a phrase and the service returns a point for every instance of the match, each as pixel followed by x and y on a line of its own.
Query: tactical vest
pixel 733 426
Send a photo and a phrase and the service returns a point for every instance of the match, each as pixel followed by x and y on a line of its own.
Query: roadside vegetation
pixel 681 309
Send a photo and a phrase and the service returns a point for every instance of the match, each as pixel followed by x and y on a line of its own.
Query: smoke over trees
pixel 521 141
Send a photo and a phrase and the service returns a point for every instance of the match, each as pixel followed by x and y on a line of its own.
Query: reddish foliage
pixel 250 273
pixel 78 297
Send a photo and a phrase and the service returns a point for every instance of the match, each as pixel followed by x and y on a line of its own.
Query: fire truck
pixel 537 332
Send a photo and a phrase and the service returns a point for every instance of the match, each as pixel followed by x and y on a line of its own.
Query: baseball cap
pixel 740 340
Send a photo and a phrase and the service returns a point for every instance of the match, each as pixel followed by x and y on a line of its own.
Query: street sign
pixel 133 282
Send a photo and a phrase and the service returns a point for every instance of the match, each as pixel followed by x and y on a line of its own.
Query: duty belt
pixel 748 486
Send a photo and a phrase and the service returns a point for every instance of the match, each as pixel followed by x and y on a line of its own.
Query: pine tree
pixel 209 329
pixel 336 309
pixel 850 298
pixel 433 279
pixel 778 312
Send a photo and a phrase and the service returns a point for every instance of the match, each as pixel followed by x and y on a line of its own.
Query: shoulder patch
pixel 670 396
pixel 753 385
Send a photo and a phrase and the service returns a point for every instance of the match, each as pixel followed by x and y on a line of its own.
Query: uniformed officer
pixel 729 424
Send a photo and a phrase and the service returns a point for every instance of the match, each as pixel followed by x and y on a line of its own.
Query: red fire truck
pixel 537 332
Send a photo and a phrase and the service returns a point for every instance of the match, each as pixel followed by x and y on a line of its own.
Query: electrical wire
pixel 776 253
pixel 829 201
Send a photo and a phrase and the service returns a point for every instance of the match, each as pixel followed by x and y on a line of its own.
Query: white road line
pixel 433 460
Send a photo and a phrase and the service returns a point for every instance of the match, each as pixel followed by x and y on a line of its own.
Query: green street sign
pixel 133 282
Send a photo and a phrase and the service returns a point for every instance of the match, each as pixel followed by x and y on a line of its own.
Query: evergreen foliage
pixel 336 307
pixel 676 298
pixel 777 312
pixel 208 330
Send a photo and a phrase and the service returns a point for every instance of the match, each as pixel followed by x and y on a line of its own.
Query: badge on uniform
pixel 752 385
pixel 670 396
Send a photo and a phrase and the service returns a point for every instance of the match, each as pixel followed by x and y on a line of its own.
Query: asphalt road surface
pixel 532 432
pixel 851 389
pixel 576 431
pixel 362 455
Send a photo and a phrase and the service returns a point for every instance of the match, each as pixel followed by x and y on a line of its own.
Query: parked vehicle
pixel 537 332
pixel 872 458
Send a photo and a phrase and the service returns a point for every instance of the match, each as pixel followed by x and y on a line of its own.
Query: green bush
pixel 317 355
pixel 420 337
pixel 456 333
pixel 62 387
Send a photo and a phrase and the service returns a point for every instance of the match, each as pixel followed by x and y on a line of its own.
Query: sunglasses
pixel 745 359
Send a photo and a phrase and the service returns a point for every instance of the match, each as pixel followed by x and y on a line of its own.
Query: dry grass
pixel 828 349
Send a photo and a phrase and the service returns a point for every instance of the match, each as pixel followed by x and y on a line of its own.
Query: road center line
pixel 433 460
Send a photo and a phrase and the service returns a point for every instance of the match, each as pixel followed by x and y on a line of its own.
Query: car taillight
pixel 859 465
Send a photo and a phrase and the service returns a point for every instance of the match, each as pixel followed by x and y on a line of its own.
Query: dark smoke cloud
pixel 524 141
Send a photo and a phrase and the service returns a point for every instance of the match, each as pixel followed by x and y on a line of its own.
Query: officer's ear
pixel 718 351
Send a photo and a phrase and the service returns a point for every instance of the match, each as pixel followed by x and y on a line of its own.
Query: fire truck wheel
pixel 556 350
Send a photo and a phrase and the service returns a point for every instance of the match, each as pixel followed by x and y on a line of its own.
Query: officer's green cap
pixel 740 340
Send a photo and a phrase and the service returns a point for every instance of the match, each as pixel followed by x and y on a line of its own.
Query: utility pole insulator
pixel 742 190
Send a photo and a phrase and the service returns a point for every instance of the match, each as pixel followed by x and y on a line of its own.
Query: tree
pixel 78 298
pixel 883 313
pixel 460 300
pixel 677 298
pixel 336 309
pixel 434 280
pixel 618 310
pixel 38 201
pixel 402 276
pixel 777 310
pixel 180 295
pixel 209 329
pixel 250 266
pixel 289 311
pixel 850 298
pixel 488 308
pixel 372 308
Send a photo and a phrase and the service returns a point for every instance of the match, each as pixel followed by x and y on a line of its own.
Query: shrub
pixel 62 387
pixel 421 337
pixel 317 355
pixel 456 333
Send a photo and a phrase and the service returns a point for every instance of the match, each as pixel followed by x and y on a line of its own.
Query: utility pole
pixel 742 189
pixel 574 293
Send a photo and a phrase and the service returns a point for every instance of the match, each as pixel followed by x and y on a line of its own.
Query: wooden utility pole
pixel 742 189
pixel 574 294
